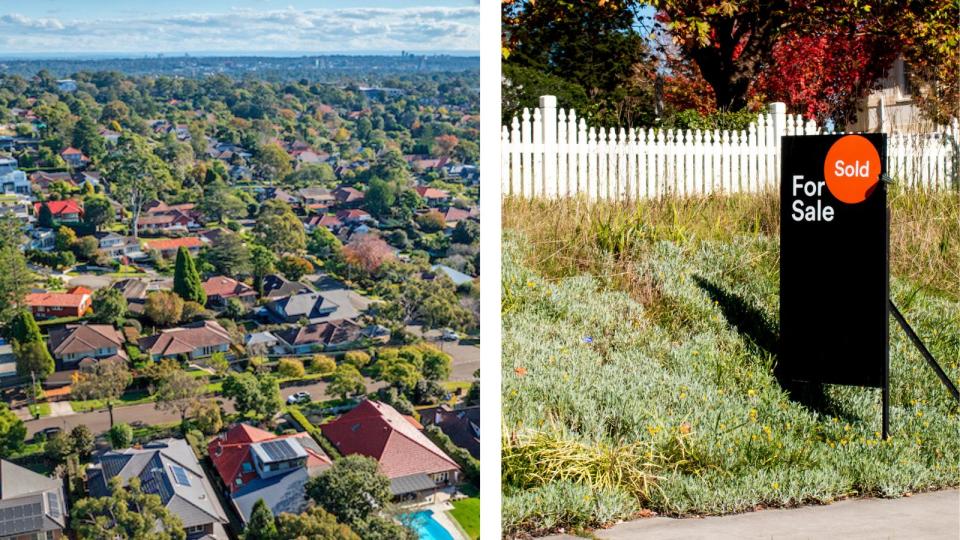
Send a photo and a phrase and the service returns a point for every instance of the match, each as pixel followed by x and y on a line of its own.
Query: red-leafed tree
pixel 735 43
pixel 367 253
pixel 823 74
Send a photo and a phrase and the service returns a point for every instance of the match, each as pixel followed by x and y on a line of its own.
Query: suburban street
pixel 466 360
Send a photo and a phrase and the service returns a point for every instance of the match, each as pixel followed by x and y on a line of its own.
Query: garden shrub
pixel 291 368
pixel 120 435
pixel 323 364
pixel 359 359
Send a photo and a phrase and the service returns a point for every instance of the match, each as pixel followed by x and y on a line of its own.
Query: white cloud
pixel 246 30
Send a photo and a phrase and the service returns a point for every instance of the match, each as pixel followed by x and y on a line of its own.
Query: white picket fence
pixel 552 154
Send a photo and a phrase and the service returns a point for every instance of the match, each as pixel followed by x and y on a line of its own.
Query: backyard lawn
pixel 467 513
pixel 638 356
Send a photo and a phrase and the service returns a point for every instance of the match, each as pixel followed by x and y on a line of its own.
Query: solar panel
pixel 180 475
pixel 278 450
pixel 20 519
pixel 54 503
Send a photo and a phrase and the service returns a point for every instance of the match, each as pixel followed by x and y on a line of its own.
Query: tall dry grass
pixel 573 235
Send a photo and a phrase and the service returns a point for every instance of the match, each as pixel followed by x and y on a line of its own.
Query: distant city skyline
pixel 47 28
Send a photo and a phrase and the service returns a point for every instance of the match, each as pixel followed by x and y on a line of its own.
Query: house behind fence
pixel 552 153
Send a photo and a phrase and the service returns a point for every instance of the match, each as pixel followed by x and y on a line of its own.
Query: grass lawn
pixel 42 409
pixel 638 352
pixel 130 398
pixel 467 514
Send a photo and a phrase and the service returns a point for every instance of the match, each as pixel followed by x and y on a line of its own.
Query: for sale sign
pixel 834 270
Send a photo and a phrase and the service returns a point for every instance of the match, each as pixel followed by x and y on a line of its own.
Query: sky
pixel 45 27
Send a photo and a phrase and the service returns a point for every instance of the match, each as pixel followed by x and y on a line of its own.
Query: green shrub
pixel 120 435
pixel 290 368
pixel 321 363
pixel 469 464
pixel 359 359
pixel 314 432
pixel 562 505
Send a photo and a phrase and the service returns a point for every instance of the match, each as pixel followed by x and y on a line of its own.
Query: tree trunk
pixel 110 409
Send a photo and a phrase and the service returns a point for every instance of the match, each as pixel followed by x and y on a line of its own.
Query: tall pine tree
pixel 261 525
pixel 186 279
pixel 30 350
pixel 24 328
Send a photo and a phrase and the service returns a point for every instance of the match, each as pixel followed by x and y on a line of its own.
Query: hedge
pixel 469 464
pixel 314 432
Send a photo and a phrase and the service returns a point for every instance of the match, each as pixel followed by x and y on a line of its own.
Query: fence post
pixel 778 116
pixel 548 104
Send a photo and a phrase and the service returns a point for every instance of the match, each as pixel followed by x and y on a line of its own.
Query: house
pixel 455 215
pixel 263 343
pixel 43 180
pixel 353 216
pixel 73 303
pixel 74 157
pixel 220 289
pixel 276 286
pixel 66 85
pixel 8 361
pixel 457 277
pixel 13 181
pixel 279 194
pixel 168 246
pixel 255 464
pixel 347 195
pixel 173 221
pixel 135 292
pixel 115 245
pixel 415 466
pixel 90 178
pixel 196 340
pixel 112 137
pixel 433 195
pixel 67 211
pixel 31 505
pixel 326 336
pixel 43 239
pixel 75 342
pixel 461 425
pixel 168 469
pixel 892 107
pixel 326 305
pixel 316 198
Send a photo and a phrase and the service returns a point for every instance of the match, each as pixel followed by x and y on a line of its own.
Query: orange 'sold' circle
pixel 852 169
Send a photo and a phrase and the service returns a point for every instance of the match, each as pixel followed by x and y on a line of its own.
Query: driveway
pixel 90 281
pixel 466 358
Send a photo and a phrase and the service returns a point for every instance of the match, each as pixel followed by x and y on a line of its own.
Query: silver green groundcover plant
pixel 611 407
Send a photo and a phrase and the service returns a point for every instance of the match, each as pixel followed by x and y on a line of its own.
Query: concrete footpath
pixel 925 516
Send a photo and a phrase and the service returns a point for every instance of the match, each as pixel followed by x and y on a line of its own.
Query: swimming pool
pixel 426 527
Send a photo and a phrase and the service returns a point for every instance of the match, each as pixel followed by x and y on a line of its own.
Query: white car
pixel 299 397
pixel 449 335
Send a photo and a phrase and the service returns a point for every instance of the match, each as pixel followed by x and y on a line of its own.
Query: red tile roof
pixel 229 451
pixel 351 214
pixel 377 430
pixel 47 299
pixel 170 244
pixel 225 287
pixel 456 214
pixel 57 208
pixel 185 339
pixel 432 193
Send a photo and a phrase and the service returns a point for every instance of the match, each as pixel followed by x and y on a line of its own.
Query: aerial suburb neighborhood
pixel 239 297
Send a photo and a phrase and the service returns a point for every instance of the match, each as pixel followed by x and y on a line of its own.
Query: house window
pixel 440 477
pixel 195 529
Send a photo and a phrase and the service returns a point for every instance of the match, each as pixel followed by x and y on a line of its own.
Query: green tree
pixel 64 239
pixel 291 368
pixel 128 513
pixel 136 175
pixel 315 523
pixel 12 432
pixel 120 435
pixel 261 525
pixel 33 359
pixel 358 359
pixel 324 245
pixel 346 382
pixel 186 279
pixel 221 202
pixel 436 364
pixel 109 306
pixel 45 217
pixel 252 395
pixel 323 364
pixel 380 198
pixel 376 527
pixel 351 489
pixel 399 373
pixel 105 380
pixel 81 440
pixel 273 161
pixel 466 232
pixel 207 417
pixel 87 138
pixel 15 282
pixel 293 267
pixel 230 256
pixel 279 228
pixel 179 391
pixel 97 212
pixel 24 329
pixel 262 262
pixel 164 307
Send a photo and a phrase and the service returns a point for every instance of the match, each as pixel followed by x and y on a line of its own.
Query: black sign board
pixel 834 269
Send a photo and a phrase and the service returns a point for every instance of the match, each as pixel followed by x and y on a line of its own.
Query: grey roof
pixel 29 502
pixel 284 493
pixel 167 468
pixel 349 305
pixel 275 286
pixel 258 338
pixel 411 484
pixel 456 276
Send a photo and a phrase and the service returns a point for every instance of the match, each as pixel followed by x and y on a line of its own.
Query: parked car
pixel 449 335
pixel 299 397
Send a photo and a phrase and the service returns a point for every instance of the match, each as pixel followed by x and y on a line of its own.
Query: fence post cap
pixel 548 101
pixel 778 107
